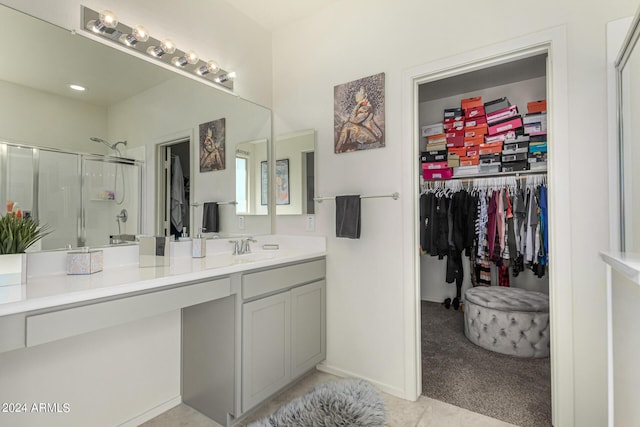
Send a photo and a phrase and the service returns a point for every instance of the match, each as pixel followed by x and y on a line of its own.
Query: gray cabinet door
pixel 266 352
pixel 308 337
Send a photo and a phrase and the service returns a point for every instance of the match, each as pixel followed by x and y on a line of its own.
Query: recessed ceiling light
pixel 77 87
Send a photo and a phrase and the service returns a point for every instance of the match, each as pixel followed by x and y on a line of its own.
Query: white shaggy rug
pixel 340 403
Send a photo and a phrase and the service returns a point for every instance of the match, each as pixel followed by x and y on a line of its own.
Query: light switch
pixel 311 223
pixel 240 222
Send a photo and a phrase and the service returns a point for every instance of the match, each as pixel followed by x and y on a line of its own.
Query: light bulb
pixel 190 57
pixel 166 46
pixel 223 78
pixel 107 19
pixel 138 34
pixel 209 67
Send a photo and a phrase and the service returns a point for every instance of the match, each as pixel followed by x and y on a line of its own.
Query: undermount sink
pixel 224 259
pixel 252 257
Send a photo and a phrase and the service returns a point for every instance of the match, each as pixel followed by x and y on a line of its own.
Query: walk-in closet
pixel 484 246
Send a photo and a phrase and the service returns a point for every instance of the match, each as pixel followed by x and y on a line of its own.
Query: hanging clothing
pixel 177 194
pixel 502 225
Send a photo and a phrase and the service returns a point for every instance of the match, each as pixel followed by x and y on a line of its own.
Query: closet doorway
pixel 173 217
pixel 439 76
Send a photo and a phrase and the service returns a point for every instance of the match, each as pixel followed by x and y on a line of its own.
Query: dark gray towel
pixel 210 218
pixel 348 216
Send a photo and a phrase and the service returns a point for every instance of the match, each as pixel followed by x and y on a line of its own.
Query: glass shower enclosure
pixel 87 200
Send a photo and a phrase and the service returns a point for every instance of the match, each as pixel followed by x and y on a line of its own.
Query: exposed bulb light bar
pixel 106 26
pixel 190 57
pixel 166 46
pixel 77 87
pixel 106 19
pixel 225 77
pixel 138 34
pixel 209 67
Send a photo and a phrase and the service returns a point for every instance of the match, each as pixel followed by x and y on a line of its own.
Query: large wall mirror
pixel 294 175
pixel 79 137
pixel 628 76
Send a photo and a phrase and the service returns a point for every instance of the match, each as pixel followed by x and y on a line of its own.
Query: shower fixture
pixel 114 147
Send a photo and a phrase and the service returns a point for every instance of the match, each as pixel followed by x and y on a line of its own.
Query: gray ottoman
pixel 508 320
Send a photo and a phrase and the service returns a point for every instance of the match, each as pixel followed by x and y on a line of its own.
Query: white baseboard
pixel 394 391
pixel 153 412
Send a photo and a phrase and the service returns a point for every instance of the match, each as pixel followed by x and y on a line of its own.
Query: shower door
pixel 111 200
pixel 58 198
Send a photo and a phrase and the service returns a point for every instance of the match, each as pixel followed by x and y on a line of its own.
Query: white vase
pixel 13 269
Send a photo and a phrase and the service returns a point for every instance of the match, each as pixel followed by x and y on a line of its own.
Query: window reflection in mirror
pixel 298 150
pixel 252 178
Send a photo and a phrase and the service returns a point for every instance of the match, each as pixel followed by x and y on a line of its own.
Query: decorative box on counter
pixel 84 262
pixel 154 251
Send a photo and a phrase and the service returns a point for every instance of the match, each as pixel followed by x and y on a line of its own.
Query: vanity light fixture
pixel 166 46
pixel 209 67
pixel 225 77
pixel 138 34
pixel 106 26
pixel 106 20
pixel 189 57
pixel 77 87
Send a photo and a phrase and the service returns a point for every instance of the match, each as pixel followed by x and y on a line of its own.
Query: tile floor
pixel 424 412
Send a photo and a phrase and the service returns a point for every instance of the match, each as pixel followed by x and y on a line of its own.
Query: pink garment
pixel 501 220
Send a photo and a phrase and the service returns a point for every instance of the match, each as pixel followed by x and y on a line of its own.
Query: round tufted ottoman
pixel 508 320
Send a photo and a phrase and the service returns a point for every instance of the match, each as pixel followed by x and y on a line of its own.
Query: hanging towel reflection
pixel 348 216
pixel 210 217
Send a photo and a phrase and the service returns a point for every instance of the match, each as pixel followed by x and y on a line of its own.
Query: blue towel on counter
pixel 348 217
pixel 210 218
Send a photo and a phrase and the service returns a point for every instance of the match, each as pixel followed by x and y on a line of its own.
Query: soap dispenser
pixel 199 246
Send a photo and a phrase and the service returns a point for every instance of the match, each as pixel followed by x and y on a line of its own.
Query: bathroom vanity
pixel 250 324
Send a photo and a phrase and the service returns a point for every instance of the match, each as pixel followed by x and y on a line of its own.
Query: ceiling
pixel 273 14
pixel 49 58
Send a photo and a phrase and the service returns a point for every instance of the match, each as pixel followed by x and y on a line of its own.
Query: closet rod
pixel 395 196
pixel 232 202
pixel 471 178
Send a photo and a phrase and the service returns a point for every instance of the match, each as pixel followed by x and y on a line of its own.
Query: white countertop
pixel 627 263
pixel 51 290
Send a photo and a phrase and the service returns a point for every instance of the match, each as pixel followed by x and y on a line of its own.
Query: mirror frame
pixel 621 61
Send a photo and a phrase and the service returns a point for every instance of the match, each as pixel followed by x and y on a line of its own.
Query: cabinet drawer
pixel 46 327
pixel 268 281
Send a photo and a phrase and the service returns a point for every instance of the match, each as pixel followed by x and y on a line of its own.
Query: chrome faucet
pixel 242 246
pixel 236 246
pixel 245 245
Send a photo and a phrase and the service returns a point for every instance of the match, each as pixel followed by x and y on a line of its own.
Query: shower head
pixel 114 147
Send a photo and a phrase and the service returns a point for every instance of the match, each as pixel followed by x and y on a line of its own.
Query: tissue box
pixel 154 251
pixel 84 262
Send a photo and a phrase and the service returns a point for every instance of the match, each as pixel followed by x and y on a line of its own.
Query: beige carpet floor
pixel 456 371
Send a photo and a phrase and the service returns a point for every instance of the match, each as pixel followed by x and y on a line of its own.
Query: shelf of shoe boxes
pixel 485 138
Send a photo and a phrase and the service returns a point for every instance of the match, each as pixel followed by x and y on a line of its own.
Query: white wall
pixel 38 118
pixel 353 39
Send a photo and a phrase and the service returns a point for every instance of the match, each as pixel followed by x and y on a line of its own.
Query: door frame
pixel 554 42
pixel 161 189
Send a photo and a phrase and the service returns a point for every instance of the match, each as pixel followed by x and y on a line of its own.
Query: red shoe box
pixel 502 114
pixel 475 121
pixel 471 113
pixel 509 124
pixel 434 165
pixel 431 174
